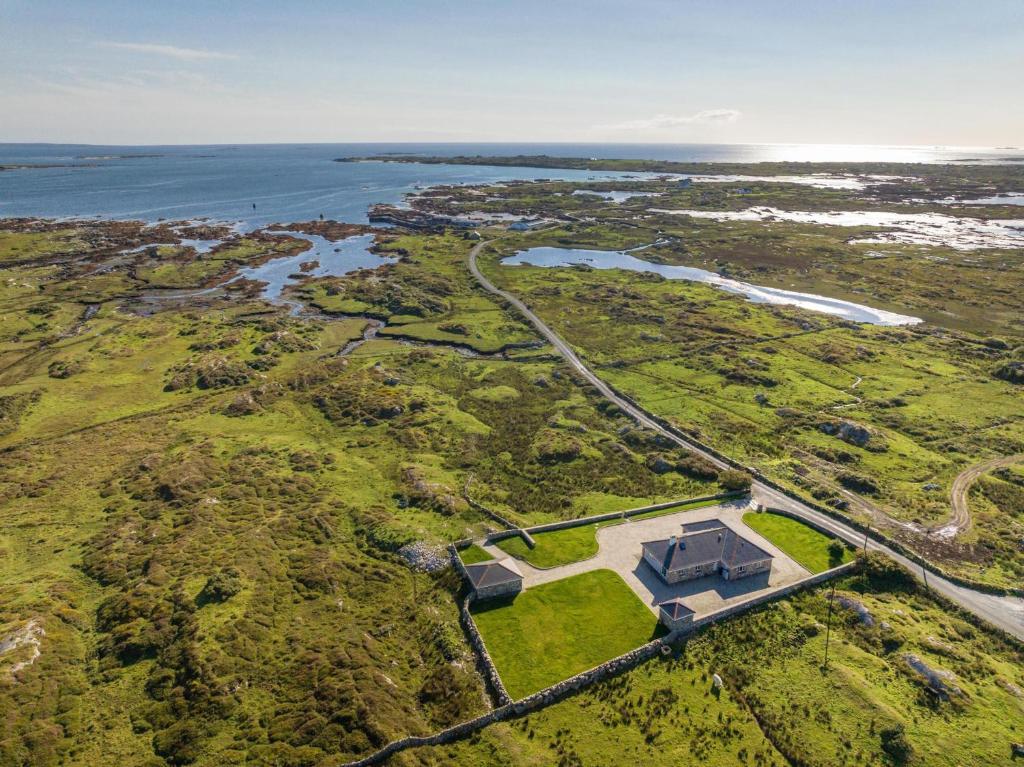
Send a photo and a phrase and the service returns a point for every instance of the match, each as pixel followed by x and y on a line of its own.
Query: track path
pixel 1006 612
pixel 960 521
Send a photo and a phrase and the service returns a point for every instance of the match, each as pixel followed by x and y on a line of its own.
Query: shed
pixel 494 578
pixel 674 614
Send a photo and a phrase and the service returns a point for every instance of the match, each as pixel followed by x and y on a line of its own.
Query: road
pixel 1006 612
pixel 961 517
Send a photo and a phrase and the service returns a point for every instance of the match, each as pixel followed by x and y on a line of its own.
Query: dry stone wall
pixel 563 689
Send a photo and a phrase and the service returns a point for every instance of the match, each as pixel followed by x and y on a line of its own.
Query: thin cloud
pixel 660 122
pixel 171 51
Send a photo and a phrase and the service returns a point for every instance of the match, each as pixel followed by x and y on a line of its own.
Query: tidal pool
pixel 612 259
pixel 908 228
pixel 1007 198
pixel 615 197
pixel 334 258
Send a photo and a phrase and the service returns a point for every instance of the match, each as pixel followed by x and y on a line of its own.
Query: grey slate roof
pixel 675 609
pixel 706 524
pixel 493 573
pixel 739 551
pixel 709 544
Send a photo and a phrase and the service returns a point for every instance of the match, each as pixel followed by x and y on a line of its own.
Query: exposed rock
pixel 1013 372
pixel 424 557
pixel 863 614
pixel 243 404
pixel 939 681
pixel 658 464
pixel 28 636
pixel 847 431
pixel 858 483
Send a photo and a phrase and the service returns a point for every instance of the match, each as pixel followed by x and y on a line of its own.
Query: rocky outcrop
pixel 848 431
pixel 863 614
pixel 1012 372
pixel 938 681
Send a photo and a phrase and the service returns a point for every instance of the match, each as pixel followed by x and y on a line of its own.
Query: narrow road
pixel 1005 612
pixel 960 521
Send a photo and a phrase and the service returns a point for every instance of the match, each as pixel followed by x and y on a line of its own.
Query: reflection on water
pixel 615 197
pixel 333 260
pixel 908 228
pixel 610 259
pixel 1010 198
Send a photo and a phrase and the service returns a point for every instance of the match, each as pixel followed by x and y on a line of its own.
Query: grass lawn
pixel 473 554
pixel 551 632
pixel 573 544
pixel 802 542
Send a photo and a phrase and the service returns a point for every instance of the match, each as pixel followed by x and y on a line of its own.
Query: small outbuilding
pixel 674 614
pixel 494 578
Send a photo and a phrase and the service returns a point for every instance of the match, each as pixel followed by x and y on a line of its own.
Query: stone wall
pixel 484 662
pixel 563 689
pixel 525 532
pixel 771 596
pixel 629 512
pixel 826 510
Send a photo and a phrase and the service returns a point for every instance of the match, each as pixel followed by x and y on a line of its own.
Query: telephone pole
pixel 828 630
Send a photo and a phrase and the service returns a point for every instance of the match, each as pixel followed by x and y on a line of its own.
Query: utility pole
pixel 865 543
pixel 828 630
pixel 924 573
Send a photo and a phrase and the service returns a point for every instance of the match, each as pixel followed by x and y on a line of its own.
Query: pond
pixel 334 258
pixel 610 259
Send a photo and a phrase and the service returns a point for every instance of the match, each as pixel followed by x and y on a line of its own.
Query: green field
pixel 778 707
pixel 802 542
pixel 473 554
pixel 574 544
pixel 551 632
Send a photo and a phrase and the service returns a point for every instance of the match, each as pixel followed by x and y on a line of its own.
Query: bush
pixel 895 744
pixel 836 549
pixel 221 586
pixel 735 481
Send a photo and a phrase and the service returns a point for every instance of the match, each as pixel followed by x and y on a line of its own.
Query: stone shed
pixel 494 578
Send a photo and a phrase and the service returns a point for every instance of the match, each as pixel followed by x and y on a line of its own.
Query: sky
pixel 772 71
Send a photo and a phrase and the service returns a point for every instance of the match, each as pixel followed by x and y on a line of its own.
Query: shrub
pixel 836 550
pixel 895 744
pixel 221 586
pixel 734 481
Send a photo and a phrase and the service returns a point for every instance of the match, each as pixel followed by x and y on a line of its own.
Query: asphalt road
pixel 1006 613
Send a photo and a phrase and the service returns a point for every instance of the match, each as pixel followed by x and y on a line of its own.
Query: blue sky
pixel 897 72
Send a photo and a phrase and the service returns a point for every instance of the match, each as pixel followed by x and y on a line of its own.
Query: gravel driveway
pixel 619 550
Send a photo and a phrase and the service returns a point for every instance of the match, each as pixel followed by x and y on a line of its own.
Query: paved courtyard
pixel 619 550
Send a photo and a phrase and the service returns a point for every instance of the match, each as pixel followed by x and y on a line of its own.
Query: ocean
pixel 258 185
